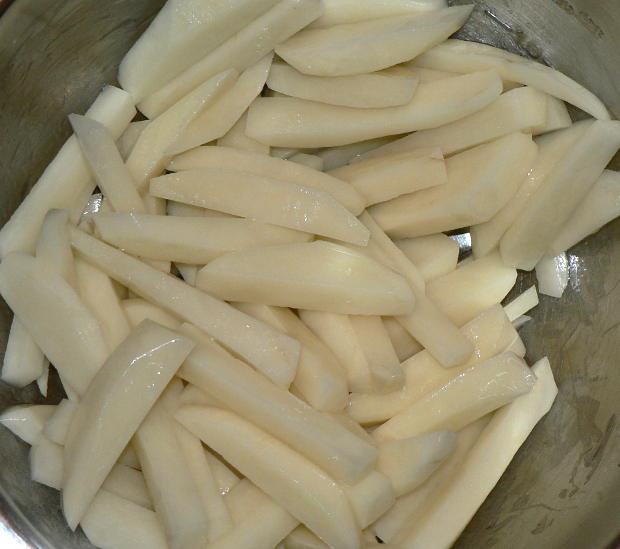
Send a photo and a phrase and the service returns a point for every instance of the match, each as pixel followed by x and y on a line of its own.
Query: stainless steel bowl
pixel 563 488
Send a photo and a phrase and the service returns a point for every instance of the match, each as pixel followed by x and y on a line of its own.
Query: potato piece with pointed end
pixel 463 57
pixel 370 497
pixel 46 463
pixel 27 420
pixel 480 182
pixel 522 304
pixel 369 46
pixel 115 403
pixel 475 392
pixel 434 255
pixel 253 340
pixel 225 158
pixel 57 426
pixel 128 483
pixel 404 343
pixel 236 139
pixel 291 122
pixel 23 359
pixel 409 462
pixel 546 211
pixel 294 482
pixel 318 275
pixel 239 52
pixel 552 275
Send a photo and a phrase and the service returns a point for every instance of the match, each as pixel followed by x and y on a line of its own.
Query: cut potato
pixel 115 403
pixel 290 479
pixel 253 340
pixel 291 122
pixel 46 463
pixel 434 255
pixel 66 178
pixel 222 114
pixel 336 157
pixel 239 52
pixel 23 360
pixel 302 538
pixel 368 46
pixel 318 275
pixel 480 182
pixel 558 117
pixel 546 211
pixel 404 344
pixel 127 141
pixel 236 138
pixel 126 482
pixel 57 427
pixel 138 309
pixel 53 246
pixel 26 421
pixel 363 91
pixel 387 177
pixel 475 392
pixel 552 275
pixel 370 497
pixel 522 304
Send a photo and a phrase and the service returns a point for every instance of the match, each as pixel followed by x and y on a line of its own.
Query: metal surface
pixel 563 488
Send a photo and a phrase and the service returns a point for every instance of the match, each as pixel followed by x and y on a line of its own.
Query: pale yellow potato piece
pixel 127 141
pixel 222 114
pixel 226 158
pixel 55 316
pixel 291 122
pixel 546 211
pixel 404 343
pixel 46 463
pixel 66 178
pixel 320 275
pixel 195 240
pixel 368 46
pixel 115 403
pixel 239 52
pixel 182 33
pixel 434 255
pixel 522 304
pixel 381 179
pixel 335 157
pixel 138 309
pixel 236 138
pixel 480 182
pixel 309 160
pixel 557 117
pixel 409 462
pixel 253 340
pixel 463 57
pixel 552 274
pixel 23 359
pixel 26 421
pixel 128 483
pixel 53 246
pixel 363 91
pixel 293 481
pixel 57 426
pixel 478 390
pixel 370 497
pixel 448 510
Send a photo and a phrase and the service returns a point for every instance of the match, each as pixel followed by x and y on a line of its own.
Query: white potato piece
pixel 225 158
pixel 253 340
pixel 368 46
pixel 224 476
pixel 294 482
pixel 113 522
pixel 434 255
pixel 557 118
pixel 138 309
pixel 381 179
pixel 195 240
pixel 115 403
pixel 222 114
pixel 522 304
pixel 128 483
pixel 363 91
pixel 319 275
pixel 480 182
pixel 182 33
pixel 128 139
pixel 447 511
pixel 263 199
pixel 239 52
pixel 235 138
pixel 46 463
pixel 302 538
pixel 335 157
pixel 53 246
pixel 463 57
pixel 57 426
pixel 55 316
pixel 23 359
pixel 188 271
pixel 478 390
pixel 66 178
pixel 291 122
pixel 599 207
pixel 546 211
pixel 409 462
pixel 519 110
pixel 404 344
pixel 552 273
pixel 370 497
pixel 26 421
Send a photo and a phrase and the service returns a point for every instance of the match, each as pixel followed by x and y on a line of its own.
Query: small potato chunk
pixel 522 304
pixel 552 275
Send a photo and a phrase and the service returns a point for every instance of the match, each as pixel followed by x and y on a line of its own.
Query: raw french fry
pixel 527 240
pixel 522 304
pixel 66 178
pixel 409 462
pixel 57 426
pixel 226 479
pixel 372 90
pixel 552 275
pixel 447 511
pixel 252 395
pixel 195 240
pixel 188 271
pixel 351 425
pixel 23 359
pixel 318 275
pixel 478 390
pixel 480 182
pixel 235 138
pixel 127 141
pixel 290 122
pixel 372 45
pixel 404 344
pixel 294 482
pixel 256 342
pixel 138 309
pixel 225 158
pixel 387 177
pixel 222 114
pixel 126 482
pixel 112 521
pixel 302 538
pixel 463 57
pixel 239 52
pixel 26 421
pixel 53 246
pixel 335 157
pixel 434 255
pixel 370 497
pixel 115 403
pixel 46 463
pixel 309 160
pixel 55 316
pixel 600 206
pixel 557 117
